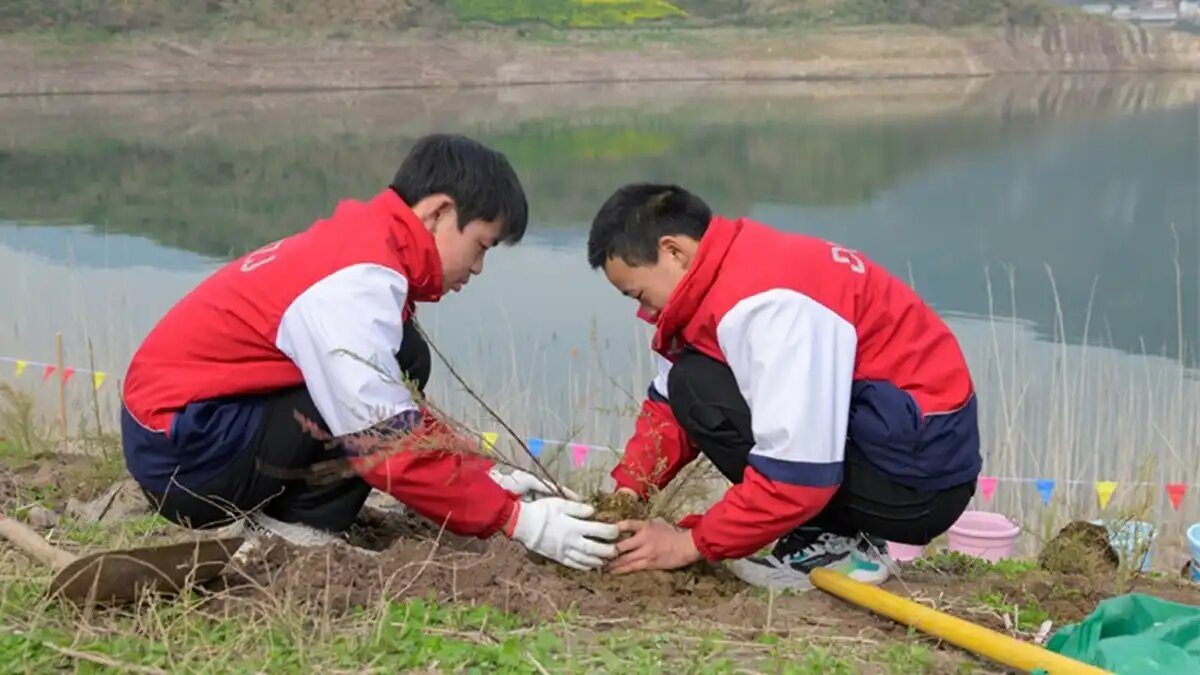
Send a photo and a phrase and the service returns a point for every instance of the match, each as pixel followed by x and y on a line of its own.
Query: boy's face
pixel 462 251
pixel 651 284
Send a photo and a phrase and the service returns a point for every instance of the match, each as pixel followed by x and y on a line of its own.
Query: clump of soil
pixel 617 506
pixel 1080 548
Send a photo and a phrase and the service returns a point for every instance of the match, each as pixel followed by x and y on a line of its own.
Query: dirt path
pixel 423 59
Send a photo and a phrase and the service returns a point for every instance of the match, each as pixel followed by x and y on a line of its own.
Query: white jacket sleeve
pixel 343 333
pixel 793 359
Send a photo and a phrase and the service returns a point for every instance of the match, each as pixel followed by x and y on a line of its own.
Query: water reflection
pixel 1069 204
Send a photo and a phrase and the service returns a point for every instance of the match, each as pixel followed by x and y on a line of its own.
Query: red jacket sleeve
pixel 449 488
pixel 754 513
pixel 656 452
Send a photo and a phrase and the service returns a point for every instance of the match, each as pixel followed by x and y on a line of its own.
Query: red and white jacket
pixel 824 345
pixel 324 308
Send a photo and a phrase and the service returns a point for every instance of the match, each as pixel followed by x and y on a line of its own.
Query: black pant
pixel 275 472
pixel 707 403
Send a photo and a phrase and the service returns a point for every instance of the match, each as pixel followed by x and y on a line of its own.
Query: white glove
pixel 553 528
pixel 526 484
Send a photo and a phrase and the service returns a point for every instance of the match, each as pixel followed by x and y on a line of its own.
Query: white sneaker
pixel 259 524
pixel 807 548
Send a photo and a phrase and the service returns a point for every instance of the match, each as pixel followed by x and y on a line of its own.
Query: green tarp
pixel 1135 634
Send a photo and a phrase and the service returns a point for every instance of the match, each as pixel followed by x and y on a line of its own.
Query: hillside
pixel 325 16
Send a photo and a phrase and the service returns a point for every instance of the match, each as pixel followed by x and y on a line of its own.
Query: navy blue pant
pixel 276 472
pixel 708 405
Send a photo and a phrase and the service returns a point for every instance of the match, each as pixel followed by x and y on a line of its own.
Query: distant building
pixel 1156 12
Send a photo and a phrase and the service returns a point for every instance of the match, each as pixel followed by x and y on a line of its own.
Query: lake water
pixel 1053 222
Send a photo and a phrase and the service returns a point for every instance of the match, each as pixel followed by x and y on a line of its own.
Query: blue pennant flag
pixel 535 446
pixel 1044 487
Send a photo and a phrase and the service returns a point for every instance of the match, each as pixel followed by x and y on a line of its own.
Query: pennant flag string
pixel 1175 491
pixel 48 369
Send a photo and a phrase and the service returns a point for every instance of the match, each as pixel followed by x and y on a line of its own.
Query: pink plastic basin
pixel 904 552
pixel 985 535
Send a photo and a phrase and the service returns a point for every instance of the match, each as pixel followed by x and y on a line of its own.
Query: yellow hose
pixel 974 638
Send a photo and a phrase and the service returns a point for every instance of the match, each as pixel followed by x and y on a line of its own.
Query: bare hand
pixel 655 545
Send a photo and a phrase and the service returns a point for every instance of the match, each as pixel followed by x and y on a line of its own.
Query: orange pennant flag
pixel 67 373
pixel 49 370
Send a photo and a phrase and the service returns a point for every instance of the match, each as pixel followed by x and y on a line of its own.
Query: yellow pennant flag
pixel 98 379
pixel 489 440
pixel 1104 491
pixel 20 367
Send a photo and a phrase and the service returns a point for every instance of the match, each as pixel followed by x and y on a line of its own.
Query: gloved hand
pixel 556 528
pixel 526 485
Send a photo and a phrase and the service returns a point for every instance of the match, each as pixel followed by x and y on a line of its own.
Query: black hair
pixel 479 179
pixel 630 223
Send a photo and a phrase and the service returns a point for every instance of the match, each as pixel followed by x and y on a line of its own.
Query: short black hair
pixel 630 223
pixel 479 179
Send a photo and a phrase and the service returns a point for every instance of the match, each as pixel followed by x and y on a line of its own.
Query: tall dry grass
pixel 1073 412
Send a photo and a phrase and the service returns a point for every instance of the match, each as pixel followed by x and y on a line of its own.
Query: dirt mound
pixel 1080 548
pixel 409 559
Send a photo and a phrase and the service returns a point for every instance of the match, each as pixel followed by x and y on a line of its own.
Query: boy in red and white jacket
pixel 317 327
pixel 834 399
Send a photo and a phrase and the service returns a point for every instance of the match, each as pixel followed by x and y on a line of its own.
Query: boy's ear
pixel 678 248
pixel 433 208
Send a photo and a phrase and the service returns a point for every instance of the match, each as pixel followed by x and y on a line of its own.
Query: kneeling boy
pixel 317 327
pixel 834 399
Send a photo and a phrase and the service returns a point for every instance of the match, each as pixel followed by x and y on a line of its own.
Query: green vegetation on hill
pixel 248 191
pixel 325 16
pixel 565 13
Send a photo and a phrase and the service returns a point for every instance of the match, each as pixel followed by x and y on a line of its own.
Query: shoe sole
pixel 769 577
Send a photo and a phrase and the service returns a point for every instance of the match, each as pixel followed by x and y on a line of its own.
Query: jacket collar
pixel 687 297
pixel 409 235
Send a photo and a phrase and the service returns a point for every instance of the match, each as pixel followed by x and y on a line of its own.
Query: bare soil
pixel 49 479
pixel 426 58
pixel 398 555
pixel 408 558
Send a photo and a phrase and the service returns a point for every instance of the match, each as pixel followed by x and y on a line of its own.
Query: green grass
pixel 395 636
pixel 276 633
pixel 958 564
pixel 1027 615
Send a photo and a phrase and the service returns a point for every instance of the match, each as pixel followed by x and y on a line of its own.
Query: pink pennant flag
pixel 1176 491
pixel 987 486
pixel 67 373
pixel 579 453
pixel 49 370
